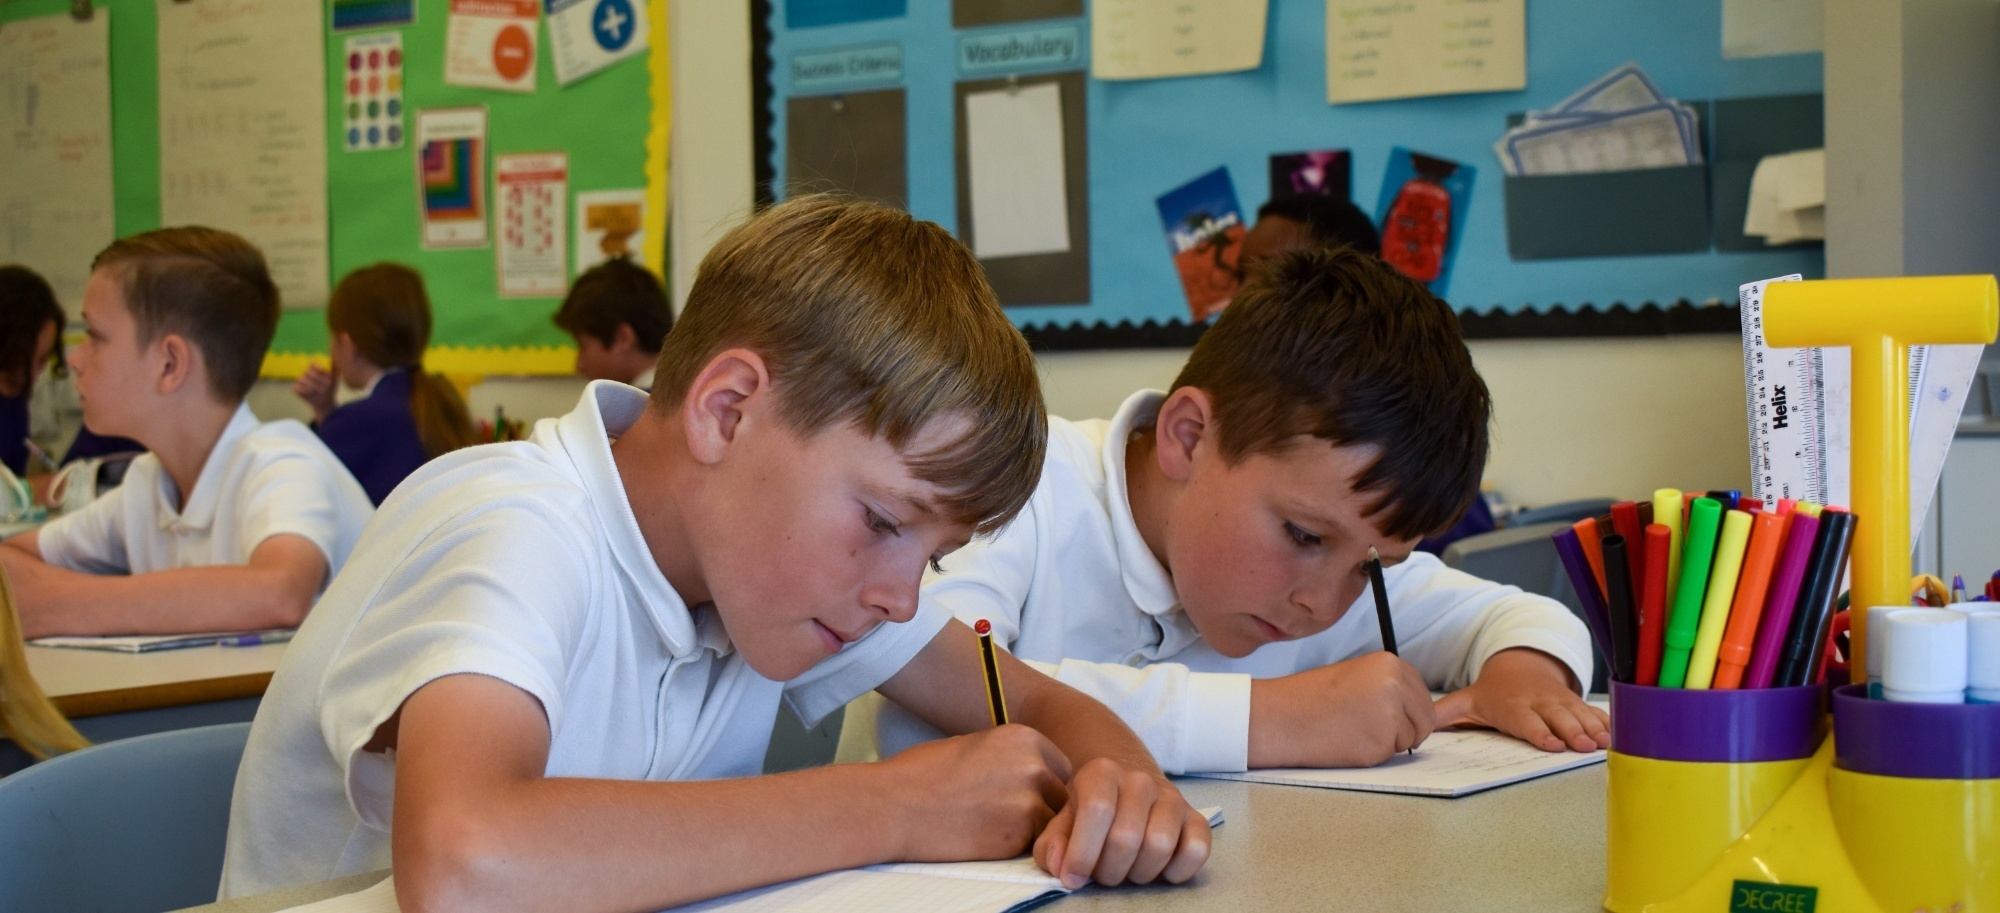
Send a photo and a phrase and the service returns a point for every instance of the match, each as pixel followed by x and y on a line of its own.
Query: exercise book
pixel 1451 763
pixel 910 887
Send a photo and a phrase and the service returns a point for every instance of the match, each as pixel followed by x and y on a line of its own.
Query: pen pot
pixel 1915 796
pixel 1690 771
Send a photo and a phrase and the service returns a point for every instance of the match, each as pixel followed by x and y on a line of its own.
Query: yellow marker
pixel 1667 510
pixel 1715 605
pixel 1878 320
pixel 1809 508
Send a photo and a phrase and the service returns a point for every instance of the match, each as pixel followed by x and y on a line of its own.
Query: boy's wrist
pixel 1270 721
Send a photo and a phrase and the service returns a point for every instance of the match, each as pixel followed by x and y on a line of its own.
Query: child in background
pixel 30 345
pixel 618 314
pixel 1196 562
pixel 547 679
pixel 227 523
pixel 378 326
pixel 1306 221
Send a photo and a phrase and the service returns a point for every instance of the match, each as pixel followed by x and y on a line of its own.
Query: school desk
pixel 1534 846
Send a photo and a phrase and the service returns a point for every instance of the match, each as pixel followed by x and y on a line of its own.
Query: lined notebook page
pixel 1449 763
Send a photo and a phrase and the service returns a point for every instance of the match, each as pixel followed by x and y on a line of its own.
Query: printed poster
pixel 243 140
pixel 530 191
pixel 55 143
pixel 610 223
pixel 1422 214
pixel 1322 172
pixel 588 35
pixel 490 44
pixel 1014 163
pixel 451 176
pixel 351 15
pixel 1412 48
pixel 372 93
pixel 1204 233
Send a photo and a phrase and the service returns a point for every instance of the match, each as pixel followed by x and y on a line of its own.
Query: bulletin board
pixel 1147 137
pixel 612 124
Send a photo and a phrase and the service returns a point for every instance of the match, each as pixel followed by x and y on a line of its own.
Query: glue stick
pixel 1983 659
pixel 1925 662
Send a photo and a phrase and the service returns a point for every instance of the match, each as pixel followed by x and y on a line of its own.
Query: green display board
pixel 602 121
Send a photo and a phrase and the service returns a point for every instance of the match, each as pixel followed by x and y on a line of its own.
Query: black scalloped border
pixel 1682 318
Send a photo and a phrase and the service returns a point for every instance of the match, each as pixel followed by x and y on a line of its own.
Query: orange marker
pixel 996 698
pixel 1593 547
pixel 1767 533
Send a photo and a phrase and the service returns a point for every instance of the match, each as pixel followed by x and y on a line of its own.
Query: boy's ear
pixel 713 414
pixel 179 362
pixel 1186 417
pixel 624 339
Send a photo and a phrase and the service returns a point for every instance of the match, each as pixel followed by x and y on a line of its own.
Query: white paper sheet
pixel 1449 763
pixel 490 44
pixel 1763 28
pixel 610 223
pixel 1377 50
pixel 530 212
pixel 588 35
pixel 1014 162
pixel 55 141
pixel 243 131
pixel 1788 197
pixel 1146 39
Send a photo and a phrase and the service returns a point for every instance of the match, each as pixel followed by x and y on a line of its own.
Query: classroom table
pixel 1534 846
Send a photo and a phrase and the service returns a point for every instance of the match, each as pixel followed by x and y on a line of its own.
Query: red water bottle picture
pixel 1416 231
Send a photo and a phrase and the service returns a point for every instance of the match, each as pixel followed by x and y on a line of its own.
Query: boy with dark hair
pixel 549 676
pixel 227 523
pixel 1306 221
pixel 1196 562
pixel 618 313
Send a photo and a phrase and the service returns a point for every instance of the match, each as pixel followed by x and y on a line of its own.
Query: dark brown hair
pixel 208 285
pixel 385 310
pixel 868 316
pixel 615 292
pixel 1340 346
pixel 27 304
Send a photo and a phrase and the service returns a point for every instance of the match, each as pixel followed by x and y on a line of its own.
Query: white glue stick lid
pixel 1878 638
pixel 1983 634
pixel 1926 651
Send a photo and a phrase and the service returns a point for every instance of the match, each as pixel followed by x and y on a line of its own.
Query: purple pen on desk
pixel 252 640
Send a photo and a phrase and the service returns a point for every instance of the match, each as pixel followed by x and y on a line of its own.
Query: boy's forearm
pixel 55 600
pixel 1083 728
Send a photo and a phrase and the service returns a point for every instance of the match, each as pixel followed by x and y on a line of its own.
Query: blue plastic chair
pixel 132 826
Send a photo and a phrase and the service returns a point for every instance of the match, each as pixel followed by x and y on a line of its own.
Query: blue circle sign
pixel 611 24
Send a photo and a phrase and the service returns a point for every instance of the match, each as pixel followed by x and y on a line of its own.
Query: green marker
pixel 1703 519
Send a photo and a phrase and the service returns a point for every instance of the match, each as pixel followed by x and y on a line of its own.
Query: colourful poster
pixel 1319 171
pixel 1205 230
pixel 530 191
pixel 490 44
pixel 349 15
pixel 610 223
pixel 372 92
pixel 1422 215
pixel 588 35
pixel 451 176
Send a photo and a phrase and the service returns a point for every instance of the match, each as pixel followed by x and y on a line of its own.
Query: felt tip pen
pixel 1715 603
pixel 996 698
pixel 1618 598
pixel 1591 538
pixel 1625 522
pixel 1704 521
pixel 251 640
pixel 1653 604
pixel 1587 594
pixel 1793 558
pixel 1760 558
pixel 1667 511
pixel 1813 614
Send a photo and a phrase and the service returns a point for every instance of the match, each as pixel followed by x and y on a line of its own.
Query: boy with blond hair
pixel 1196 562
pixel 550 673
pixel 227 523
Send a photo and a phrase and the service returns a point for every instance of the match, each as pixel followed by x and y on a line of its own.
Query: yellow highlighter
pixel 1715 605
pixel 1667 511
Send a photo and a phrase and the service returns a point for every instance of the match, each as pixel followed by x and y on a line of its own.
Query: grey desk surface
pixel 1534 846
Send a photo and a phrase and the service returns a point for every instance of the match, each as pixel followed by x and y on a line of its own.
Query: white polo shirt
pixel 260 480
pixel 1071 586
pixel 520 561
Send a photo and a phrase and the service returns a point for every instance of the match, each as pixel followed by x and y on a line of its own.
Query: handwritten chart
pixel 243 131
pixel 1378 49
pixel 1147 39
pixel 55 138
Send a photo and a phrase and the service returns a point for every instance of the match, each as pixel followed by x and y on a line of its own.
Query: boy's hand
pixel 1528 694
pixel 977 796
pixel 1356 713
pixel 1123 824
pixel 316 388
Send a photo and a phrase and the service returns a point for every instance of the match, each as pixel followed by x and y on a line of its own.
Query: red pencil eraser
pixel 982 627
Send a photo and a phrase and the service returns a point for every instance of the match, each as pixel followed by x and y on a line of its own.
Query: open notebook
pixel 911 887
pixel 1450 763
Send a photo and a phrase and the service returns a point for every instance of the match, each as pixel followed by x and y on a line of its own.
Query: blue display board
pixel 1148 137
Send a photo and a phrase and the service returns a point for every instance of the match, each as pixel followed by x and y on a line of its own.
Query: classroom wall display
pixel 1142 39
pixel 530 196
pixel 852 142
pixel 372 92
pixel 1026 188
pixel 1380 50
pixel 1422 213
pixel 347 15
pixel 1143 138
pixel 491 44
pixel 966 14
pixel 451 176
pixel 243 131
pixel 588 35
pixel 612 125
pixel 55 137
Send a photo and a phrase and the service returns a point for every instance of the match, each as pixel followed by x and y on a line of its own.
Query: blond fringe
pixel 26 714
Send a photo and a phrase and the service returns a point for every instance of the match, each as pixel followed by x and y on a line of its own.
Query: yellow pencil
pixel 996 698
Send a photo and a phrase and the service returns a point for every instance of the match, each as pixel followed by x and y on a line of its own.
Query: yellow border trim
pixel 455 361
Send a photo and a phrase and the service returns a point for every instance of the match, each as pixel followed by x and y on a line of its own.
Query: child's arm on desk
pixel 273 590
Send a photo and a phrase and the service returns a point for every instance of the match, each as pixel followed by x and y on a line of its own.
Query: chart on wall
pixel 243 140
pixel 55 138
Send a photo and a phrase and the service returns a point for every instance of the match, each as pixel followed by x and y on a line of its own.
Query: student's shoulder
pixel 511 477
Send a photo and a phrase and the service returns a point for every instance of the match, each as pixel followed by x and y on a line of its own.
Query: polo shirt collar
pixel 605 412
pixel 198 511
pixel 1146 580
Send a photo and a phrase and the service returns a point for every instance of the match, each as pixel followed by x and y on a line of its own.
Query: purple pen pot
pixel 1724 727
pixel 1923 741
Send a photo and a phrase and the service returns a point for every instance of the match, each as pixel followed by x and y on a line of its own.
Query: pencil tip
pixel 1373 555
